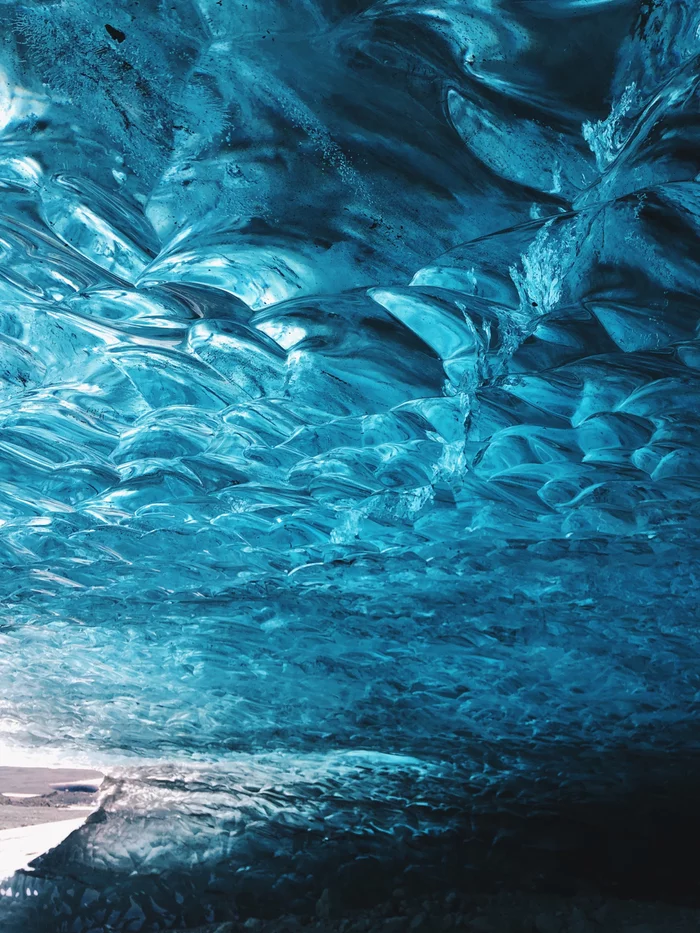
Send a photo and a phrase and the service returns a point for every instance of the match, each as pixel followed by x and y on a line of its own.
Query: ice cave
pixel 350 464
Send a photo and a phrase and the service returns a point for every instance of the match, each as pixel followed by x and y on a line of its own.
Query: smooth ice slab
pixel 20 845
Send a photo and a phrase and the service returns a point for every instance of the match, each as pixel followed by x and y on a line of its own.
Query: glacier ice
pixel 349 448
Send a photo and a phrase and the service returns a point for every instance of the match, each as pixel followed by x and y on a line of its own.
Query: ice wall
pixel 349 407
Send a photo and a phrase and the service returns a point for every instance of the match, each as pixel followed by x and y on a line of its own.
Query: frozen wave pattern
pixel 350 360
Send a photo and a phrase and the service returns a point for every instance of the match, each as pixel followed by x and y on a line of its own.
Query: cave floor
pixel 507 913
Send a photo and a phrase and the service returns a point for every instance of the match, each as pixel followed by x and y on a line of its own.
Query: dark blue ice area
pixel 349 443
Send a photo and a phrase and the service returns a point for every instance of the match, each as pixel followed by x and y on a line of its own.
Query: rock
pixel 253 923
pixel 418 922
pixel 394 925
pixel 323 905
pixel 481 925
pixel 546 922
pixel 578 923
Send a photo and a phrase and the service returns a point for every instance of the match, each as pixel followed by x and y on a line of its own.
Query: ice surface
pixel 350 392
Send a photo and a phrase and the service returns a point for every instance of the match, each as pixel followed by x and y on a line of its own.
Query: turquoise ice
pixel 349 428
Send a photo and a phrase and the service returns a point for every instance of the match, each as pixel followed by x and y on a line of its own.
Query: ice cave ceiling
pixel 349 400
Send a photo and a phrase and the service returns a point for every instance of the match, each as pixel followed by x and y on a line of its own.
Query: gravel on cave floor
pixel 515 913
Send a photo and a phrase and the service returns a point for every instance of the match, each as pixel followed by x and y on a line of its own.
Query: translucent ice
pixel 349 447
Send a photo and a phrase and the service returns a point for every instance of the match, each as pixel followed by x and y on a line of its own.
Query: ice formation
pixel 349 448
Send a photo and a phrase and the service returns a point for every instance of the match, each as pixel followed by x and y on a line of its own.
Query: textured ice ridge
pixel 350 382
